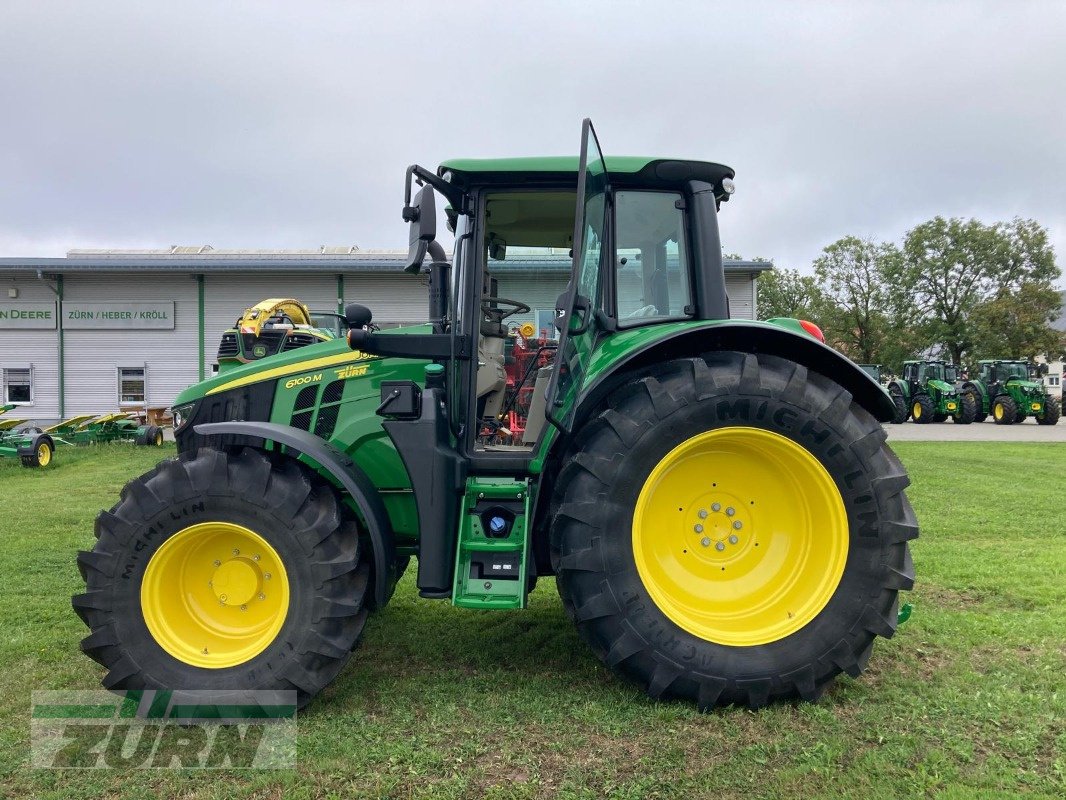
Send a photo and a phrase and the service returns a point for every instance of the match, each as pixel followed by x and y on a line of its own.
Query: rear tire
pixel 1052 412
pixel 598 500
pixel 922 410
pixel 900 403
pixel 978 404
pixel 1004 410
pixel 297 520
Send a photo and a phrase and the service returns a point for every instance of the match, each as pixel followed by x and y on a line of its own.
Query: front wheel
pixel 967 410
pixel 732 530
pixel 1052 412
pixel 1004 410
pixel 40 452
pixel 223 571
pixel 922 409
pixel 900 403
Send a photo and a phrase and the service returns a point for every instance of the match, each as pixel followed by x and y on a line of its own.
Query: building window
pixel 18 385
pixel 1052 380
pixel 131 386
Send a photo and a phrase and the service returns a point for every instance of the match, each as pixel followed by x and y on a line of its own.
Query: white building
pixel 101 330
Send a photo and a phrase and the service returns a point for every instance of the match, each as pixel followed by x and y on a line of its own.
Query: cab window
pixel 651 274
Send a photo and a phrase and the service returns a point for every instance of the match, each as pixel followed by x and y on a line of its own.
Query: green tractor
pixel 1009 391
pixel 714 497
pixel 873 370
pixel 926 393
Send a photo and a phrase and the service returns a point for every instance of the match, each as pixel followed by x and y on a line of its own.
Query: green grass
pixel 968 700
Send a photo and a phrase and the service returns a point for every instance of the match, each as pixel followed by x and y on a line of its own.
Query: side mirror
pixel 422 216
pixel 357 315
pixel 497 248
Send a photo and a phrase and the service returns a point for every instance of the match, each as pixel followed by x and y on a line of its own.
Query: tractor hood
pixel 333 353
pixel 1028 387
pixel 943 386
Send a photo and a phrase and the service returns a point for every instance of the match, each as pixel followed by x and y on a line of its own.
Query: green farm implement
pixel 88 429
pixel 30 445
pixel 1010 391
pixel 714 497
pixel 926 393
pixel 276 326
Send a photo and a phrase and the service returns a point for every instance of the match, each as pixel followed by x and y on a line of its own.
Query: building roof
pixel 332 260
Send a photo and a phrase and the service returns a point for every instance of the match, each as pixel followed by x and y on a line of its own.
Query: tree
pixel 786 293
pixel 1016 323
pixel 853 277
pixel 954 268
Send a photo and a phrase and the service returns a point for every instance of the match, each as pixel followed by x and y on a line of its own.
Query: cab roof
pixel 642 170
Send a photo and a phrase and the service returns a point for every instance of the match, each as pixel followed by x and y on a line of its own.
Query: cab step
pixel 490 565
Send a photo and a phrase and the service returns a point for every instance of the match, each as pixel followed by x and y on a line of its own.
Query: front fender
pixel 347 473
pixel 746 337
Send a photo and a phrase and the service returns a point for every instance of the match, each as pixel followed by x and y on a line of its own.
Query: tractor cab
pixel 552 256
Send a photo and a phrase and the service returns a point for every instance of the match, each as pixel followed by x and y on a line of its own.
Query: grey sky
pixel 290 124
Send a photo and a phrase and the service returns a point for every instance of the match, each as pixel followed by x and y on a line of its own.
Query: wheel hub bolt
pixel 262 596
pixel 222 598
pixel 705 542
pixel 733 539
pixel 703 513
pixel 730 511
pixel 266 575
pixel 698 528
pixel 204 651
pixel 218 563
pixel 236 552
pixel 255 557
pixel 244 608
pixel 719 546
pixel 738 524
pixel 716 506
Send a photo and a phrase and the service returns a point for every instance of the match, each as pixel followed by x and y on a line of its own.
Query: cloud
pixel 289 125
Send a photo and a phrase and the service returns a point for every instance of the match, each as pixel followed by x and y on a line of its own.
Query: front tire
pixel 807 475
pixel 900 402
pixel 223 571
pixel 1052 412
pixel 922 410
pixel 1004 410
pixel 967 410
pixel 41 452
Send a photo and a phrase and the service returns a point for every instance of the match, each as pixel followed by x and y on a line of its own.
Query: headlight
pixel 182 414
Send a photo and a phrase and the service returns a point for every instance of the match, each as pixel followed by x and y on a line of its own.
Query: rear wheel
pixel 223 571
pixel 923 410
pixel 978 403
pixel 900 403
pixel 732 531
pixel 1052 412
pixel 1004 410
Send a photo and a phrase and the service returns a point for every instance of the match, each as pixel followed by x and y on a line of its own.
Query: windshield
pixel 1014 369
pixel 951 373
pixel 933 372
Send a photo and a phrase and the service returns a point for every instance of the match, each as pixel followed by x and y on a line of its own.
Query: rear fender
pixel 346 473
pixel 747 337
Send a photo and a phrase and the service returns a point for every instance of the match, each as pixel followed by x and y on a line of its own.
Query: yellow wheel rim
pixel 917 410
pixel 998 411
pixel 44 454
pixel 215 595
pixel 740 536
pixel 158 438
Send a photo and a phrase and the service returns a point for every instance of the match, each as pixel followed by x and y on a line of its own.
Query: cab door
pixel 575 314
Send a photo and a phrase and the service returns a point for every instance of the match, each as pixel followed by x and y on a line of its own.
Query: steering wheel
pixel 499 314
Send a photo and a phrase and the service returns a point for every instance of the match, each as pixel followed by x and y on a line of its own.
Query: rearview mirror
pixel 422 215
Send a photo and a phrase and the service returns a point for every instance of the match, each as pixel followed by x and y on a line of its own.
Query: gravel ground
pixel 988 431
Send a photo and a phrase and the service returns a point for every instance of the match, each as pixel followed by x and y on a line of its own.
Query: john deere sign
pixel 107 316
pixel 27 315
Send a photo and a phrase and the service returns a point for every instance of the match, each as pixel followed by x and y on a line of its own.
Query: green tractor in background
pixel 926 393
pixel 1009 391
pixel 873 370
pixel 714 497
